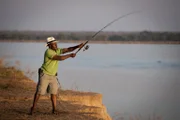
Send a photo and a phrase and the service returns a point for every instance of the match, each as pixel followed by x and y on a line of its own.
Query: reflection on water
pixel 136 79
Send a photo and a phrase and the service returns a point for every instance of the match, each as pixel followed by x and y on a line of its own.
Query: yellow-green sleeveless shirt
pixel 50 66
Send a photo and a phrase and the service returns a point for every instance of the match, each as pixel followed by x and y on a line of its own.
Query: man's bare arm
pixel 70 49
pixel 63 57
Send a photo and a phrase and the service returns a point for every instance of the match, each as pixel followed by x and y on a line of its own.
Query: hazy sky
pixel 89 15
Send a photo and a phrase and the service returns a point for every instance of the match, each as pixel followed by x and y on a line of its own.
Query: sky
pixel 89 15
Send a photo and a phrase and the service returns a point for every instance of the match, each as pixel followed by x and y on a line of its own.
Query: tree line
pixel 103 36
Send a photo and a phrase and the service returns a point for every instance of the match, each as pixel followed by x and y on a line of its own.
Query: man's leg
pixel 53 91
pixel 36 98
pixel 53 99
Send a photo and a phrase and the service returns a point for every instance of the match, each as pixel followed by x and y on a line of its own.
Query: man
pixel 48 71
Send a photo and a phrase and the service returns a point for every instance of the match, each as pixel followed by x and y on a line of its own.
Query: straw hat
pixel 50 40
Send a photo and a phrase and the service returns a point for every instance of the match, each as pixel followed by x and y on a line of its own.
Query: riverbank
pixel 17 95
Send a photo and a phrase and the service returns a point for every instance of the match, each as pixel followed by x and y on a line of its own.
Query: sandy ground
pixel 16 99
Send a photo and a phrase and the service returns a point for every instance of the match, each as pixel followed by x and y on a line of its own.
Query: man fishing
pixel 47 74
pixel 48 70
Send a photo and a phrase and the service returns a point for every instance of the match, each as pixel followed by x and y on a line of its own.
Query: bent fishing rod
pixel 93 36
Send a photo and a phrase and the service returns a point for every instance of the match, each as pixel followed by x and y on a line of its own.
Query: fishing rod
pixel 93 36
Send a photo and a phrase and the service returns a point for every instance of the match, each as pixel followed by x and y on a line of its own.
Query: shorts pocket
pixel 40 71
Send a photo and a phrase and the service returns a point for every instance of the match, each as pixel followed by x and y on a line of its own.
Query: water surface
pixel 134 79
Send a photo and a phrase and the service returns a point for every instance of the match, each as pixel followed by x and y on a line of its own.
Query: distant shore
pixel 97 42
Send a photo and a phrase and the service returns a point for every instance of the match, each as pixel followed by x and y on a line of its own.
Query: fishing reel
pixel 86 47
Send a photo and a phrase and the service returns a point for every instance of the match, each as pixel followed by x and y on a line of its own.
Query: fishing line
pixel 93 36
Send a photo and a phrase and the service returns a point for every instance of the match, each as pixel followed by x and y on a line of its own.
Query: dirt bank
pixel 17 94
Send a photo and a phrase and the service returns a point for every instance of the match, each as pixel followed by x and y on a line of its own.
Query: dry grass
pixel 16 98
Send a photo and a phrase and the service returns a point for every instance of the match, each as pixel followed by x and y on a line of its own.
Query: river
pixel 141 80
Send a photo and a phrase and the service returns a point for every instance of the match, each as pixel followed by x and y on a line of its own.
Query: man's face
pixel 53 46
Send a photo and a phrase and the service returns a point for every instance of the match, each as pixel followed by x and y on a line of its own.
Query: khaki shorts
pixel 47 84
